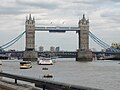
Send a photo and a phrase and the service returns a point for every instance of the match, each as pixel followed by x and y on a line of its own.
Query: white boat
pixel 45 61
pixel 25 65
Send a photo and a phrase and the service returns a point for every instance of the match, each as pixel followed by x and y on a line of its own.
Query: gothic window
pixel 30 27
pixel 84 28
pixel 84 40
pixel 30 22
pixel 29 41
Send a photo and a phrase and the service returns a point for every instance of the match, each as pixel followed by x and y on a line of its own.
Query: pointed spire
pixel 88 20
pixel 79 21
pixel 30 17
pixel 33 19
pixel 83 16
pixel 26 18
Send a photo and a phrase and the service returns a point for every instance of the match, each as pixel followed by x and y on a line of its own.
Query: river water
pixel 101 74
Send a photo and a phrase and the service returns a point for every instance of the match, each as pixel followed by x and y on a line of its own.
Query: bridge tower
pixel 83 53
pixel 30 54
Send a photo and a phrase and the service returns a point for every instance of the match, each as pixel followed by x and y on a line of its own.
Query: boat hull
pixel 45 61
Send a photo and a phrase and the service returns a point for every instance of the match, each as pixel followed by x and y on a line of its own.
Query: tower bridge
pixel 82 54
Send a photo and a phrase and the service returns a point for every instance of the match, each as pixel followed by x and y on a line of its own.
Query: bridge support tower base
pixel 84 55
pixel 30 56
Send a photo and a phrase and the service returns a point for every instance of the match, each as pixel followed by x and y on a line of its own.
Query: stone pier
pixel 30 56
pixel 84 55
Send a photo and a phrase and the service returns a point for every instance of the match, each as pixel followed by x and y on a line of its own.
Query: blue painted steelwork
pixel 59 31
pixel 106 52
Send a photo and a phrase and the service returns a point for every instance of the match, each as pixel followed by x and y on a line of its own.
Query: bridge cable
pixel 101 43
pixel 11 42
pixel 98 41
pixel 105 44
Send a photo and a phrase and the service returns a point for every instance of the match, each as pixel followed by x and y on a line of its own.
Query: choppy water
pixel 97 74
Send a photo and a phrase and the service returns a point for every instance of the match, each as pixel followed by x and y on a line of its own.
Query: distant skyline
pixel 104 16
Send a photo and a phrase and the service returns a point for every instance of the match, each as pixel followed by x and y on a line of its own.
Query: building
pixel 52 49
pixel 57 49
pixel 116 45
pixel 41 48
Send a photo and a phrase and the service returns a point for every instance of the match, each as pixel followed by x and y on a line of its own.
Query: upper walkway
pixel 57 29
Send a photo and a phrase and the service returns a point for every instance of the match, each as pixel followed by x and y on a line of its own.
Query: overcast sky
pixel 104 16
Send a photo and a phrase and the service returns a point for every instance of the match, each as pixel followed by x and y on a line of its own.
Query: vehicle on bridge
pixel 45 61
pixel 25 65
pixel 3 57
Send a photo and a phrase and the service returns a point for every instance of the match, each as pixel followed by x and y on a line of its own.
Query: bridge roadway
pixel 2 52
pixel 60 54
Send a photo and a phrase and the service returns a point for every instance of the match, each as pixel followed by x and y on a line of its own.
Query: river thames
pixel 102 74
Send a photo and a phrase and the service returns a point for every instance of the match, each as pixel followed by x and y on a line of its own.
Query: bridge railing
pixel 46 84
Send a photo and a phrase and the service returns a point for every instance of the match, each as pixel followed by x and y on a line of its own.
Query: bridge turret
pixel 83 21
pixel 84 33
pixel 30 53
pixel 83 53
pixel 30 33
pixel 30 20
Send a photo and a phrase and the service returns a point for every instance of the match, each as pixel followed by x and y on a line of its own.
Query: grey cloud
pixel 112 15
pixel 9 11
pixel 115 0
pixel 44 5
pixel 21 7
pixel 96 3
pixel 89 1
pixel 55 10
